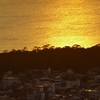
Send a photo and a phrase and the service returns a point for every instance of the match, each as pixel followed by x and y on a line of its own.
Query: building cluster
pixel 50 85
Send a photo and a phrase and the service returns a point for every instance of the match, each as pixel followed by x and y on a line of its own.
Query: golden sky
pixel 57 22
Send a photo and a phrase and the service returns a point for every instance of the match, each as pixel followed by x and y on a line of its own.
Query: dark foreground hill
pixel 76 57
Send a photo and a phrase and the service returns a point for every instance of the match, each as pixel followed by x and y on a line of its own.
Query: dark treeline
pixel 75 57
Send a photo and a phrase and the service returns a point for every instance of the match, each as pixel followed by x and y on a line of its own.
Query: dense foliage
pixel 75 57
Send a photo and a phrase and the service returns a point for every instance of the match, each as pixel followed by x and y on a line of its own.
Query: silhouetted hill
pixel 76 57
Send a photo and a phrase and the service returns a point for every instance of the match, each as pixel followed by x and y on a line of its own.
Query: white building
pixel 50 82
pixel 91 94
pixel 3 97
pixel 44 90
pixel 49 70
pixel 71 83
pixel 9 80
pixel 70 72
pixel 6 91
pixel 57 82
pixel 30 96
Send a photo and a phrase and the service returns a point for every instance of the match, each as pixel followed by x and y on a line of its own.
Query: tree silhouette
pixel 77 58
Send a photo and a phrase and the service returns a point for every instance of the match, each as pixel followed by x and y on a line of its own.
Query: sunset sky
pixel 29 23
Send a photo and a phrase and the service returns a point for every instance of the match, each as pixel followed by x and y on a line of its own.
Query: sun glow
pixel 72 25
pixel 60 23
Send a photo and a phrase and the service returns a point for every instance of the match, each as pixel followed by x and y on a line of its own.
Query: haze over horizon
pixel 29 23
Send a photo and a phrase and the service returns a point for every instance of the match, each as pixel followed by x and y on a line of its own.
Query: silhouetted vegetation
pixel 75 57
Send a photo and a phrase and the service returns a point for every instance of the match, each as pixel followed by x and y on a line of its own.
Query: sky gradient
pixel 29 23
